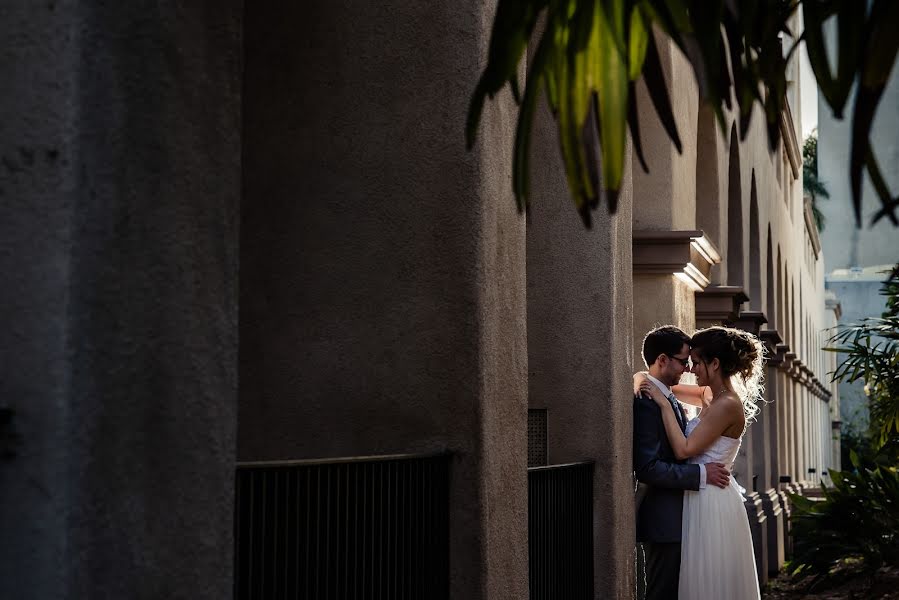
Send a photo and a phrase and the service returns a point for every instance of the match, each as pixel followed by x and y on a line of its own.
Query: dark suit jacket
pixel 660 513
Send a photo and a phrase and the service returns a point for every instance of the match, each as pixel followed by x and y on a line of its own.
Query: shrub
pixel 857 521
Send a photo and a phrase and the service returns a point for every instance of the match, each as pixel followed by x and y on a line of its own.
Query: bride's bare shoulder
pixel 728 402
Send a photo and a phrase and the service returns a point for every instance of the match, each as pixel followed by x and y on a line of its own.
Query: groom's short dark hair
pixel 666 339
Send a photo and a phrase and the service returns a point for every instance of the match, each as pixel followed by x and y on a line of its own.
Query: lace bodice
pixel 723 450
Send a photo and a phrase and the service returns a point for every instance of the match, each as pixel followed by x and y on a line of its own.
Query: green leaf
pixel 880 186
pixel 613 90
pixel 851 34
pixel 633 121
pixel 639 40
pixel 866 101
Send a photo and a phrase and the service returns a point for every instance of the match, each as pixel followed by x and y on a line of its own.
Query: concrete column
pixel 665 200
pixel 120 189
pixel 772 420
pixel 743 462
pixel 810 428
pixel 796 430
pixel 580 344
pixel 383 265
pixel 816 437
pixel 789 430
pixel 38 180
pixel 768 468
pixel 764 440
pixel 813 431
pixel 804 431
pixel 783 453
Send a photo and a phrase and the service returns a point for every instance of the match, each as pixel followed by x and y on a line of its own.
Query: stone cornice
pixel 791 144
pixel 797 372
pixel 833 304
pixel 688 255
pixel 786 357
pixel 751 321
pixel 771 339
pixel 720 303
pixel 810 227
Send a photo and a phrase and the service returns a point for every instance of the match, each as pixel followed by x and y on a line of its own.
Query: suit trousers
pixel 662 570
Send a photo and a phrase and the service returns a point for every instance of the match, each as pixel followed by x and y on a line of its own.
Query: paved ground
pixel 884 586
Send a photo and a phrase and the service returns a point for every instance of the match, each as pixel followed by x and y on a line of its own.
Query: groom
pixel 666 351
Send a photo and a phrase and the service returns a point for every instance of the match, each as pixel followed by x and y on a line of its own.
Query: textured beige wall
pixel 665 198
pixel 660 300
pixel 579 347
pixel 383 266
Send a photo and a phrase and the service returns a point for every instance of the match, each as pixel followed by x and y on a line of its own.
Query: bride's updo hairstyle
pixel 742 359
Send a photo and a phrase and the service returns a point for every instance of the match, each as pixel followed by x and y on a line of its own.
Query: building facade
pixel 723 235
pixel 251 237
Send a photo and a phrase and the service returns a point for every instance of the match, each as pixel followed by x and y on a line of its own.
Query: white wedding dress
pixel 717 559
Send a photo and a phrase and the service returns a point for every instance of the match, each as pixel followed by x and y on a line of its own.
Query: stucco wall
pixel 579 347
pixel 665 198
pixel 36 181
pixel 120 184
pixel 382 265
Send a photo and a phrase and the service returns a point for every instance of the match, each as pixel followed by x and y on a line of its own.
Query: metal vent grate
pixel 537 437
pixel 355 528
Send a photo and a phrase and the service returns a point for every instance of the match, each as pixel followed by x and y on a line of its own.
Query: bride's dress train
pixel 717 559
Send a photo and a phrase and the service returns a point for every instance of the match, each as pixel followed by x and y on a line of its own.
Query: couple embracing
pixel 691 518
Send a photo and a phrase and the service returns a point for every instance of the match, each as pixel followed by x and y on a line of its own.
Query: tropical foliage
pixel 858 520
pixel 811 184
pixel 590 54
pixel 870 353
pixel 856 523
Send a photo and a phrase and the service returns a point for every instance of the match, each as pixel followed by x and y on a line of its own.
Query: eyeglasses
pixel 684 361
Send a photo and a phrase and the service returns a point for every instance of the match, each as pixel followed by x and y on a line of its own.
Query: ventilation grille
pixel 537 437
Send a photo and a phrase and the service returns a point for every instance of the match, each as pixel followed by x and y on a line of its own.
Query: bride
pixel 717 558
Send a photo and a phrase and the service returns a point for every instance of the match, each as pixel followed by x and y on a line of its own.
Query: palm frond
pixel 594 50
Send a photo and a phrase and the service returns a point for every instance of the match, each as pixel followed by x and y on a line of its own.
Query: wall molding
pixel 688 255
pixel 720 303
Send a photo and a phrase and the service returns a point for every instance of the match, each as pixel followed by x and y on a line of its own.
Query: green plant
pixel 857 522
pixel 811 184
pixel 870 352
pixel 591 53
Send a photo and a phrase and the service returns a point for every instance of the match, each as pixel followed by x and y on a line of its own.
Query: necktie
pixel 677 410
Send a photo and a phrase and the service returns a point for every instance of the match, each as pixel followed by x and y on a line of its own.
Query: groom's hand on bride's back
pixel 717 474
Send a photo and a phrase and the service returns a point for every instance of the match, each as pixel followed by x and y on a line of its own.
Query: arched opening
pixel 791 318
pixel 735 260
pixel 781 299
pixel 800 330
pixel 770 283
pixel 708 206
pixel 755 258
pixel 787 321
